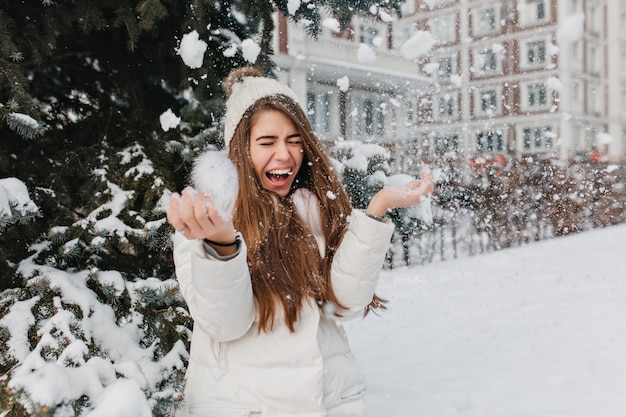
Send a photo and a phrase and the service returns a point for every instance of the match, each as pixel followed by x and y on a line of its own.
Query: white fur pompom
pixel 216 176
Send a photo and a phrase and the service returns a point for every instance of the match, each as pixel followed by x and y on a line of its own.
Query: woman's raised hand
pixel 407 195
pixel 196 217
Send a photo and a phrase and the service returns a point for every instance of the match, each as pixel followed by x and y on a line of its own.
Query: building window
pixel 409 109
pixel 369 116
pixel 594 101
pixel 534 11
pixel 575 90
pixel 536 52
pixel 488 20
pixel 489 142
pixel 443 28
pixel 367 35
pixel 446 105
pixel 447 145
pixel 318 110
pixel 537 95
pixel 593 17
pixel 488 101
pixel 593 59
pixel 488 60
pixel 541 9
pixel 445 67
pixel 538 139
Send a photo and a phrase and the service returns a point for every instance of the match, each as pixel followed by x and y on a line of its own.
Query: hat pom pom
pixel 237 75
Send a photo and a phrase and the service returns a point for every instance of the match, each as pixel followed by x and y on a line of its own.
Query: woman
pixel 267 287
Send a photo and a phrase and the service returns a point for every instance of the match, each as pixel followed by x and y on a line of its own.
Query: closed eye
pixel 294 139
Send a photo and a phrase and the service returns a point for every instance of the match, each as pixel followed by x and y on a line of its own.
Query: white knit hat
pixel 243 96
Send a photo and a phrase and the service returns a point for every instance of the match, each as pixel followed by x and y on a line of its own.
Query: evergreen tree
pixel 90 96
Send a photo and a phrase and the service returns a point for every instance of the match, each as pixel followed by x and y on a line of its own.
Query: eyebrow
pixel 293 135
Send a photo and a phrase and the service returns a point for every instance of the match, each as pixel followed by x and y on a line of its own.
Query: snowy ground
pixel 533 331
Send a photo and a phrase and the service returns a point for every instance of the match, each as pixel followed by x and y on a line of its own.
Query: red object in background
pixel 484 161
pixel 597 157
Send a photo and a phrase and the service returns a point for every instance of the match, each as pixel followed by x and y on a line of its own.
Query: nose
pixel 281 151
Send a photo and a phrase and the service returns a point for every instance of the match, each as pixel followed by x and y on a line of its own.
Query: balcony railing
pixel 345 52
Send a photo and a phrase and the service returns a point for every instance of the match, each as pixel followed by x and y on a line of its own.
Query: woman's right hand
pixel 195 216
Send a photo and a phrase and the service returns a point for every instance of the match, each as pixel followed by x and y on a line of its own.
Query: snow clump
pixel 332 24
pixel 169 120
pixel 192 49
pixel 571 29
pixel 250 50
pixel 343 83
pixel 419 44
pixel 365 54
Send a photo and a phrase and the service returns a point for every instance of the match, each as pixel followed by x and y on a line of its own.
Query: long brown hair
pixel 283 255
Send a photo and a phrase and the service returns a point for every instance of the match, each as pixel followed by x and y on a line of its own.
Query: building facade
pixel 504 78
pixel 525 77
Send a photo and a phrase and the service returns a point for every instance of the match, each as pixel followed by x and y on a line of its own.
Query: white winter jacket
pixel 235 370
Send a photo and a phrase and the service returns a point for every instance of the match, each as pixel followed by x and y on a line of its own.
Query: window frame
pixel 537 139
pixel 537 91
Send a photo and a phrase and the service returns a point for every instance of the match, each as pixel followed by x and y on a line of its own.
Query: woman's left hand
pixel 407 195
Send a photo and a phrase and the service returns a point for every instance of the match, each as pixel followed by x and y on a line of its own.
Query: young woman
pixel 268 287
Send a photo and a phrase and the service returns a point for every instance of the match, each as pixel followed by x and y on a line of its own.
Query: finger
pixel 413 185
pixel 426 173
pixel 205 219
pixel 173 213
pixel 188 213
pixel 214 214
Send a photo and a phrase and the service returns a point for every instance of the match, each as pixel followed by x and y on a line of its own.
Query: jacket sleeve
pixel 358 261
pixel 218 293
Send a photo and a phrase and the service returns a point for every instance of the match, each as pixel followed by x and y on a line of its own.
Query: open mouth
pixel 279 176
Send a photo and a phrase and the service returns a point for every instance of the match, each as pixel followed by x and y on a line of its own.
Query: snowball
pixel 553 50
pixel 231 51
pixel 343 83
pixel 250 50
pixel 192 49
pixel 330 195
pixel 169 120
pixel 554 84
pixel 571 29
pixel 385 17
pixel 332 24
pixel 216 176
pixel 365 54
pixel 293 6
pixel 419 44
pixel 431 67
